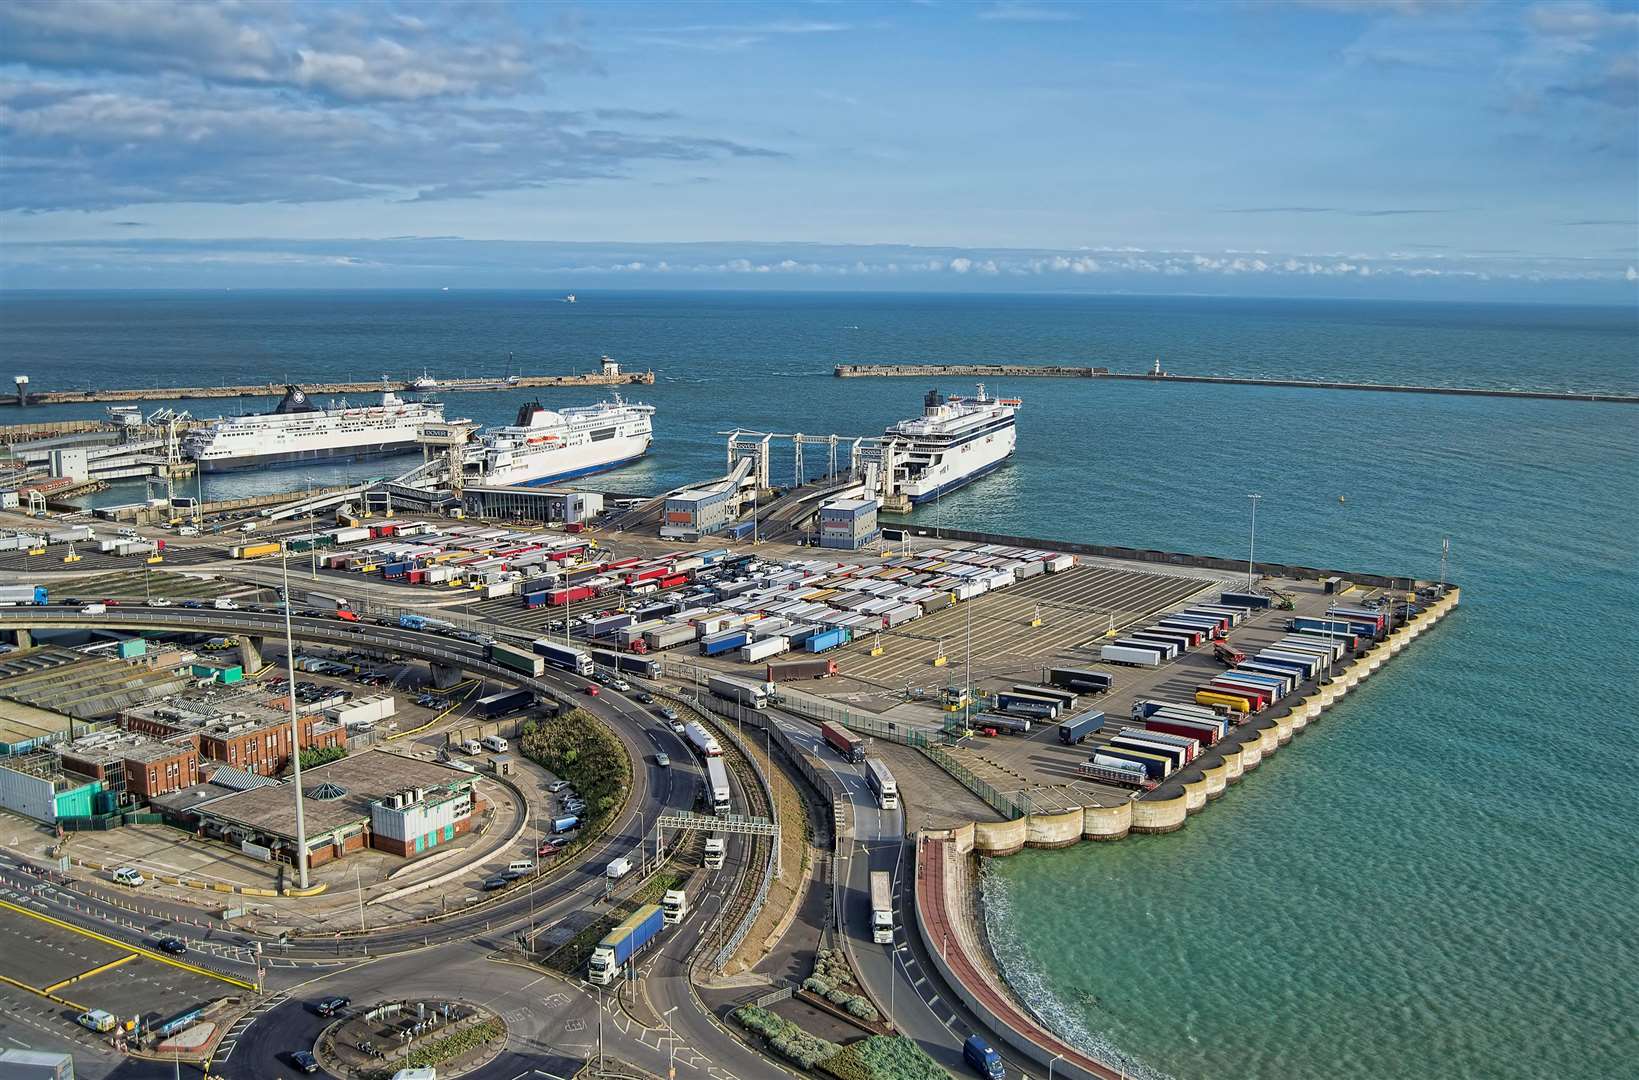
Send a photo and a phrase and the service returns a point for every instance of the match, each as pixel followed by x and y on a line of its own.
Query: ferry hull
pixel 569 463
pixel 300 457
pixel 951 485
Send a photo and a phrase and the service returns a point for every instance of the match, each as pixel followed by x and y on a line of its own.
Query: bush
pixel 787 1039
pixel 322 755
pixel 861 1009
pixel 884 1057
pixel 816 985
pixel 577 747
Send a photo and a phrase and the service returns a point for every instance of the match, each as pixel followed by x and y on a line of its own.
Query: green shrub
pixel 884 1057
pixel 787 1039
pixel 580 749
pixel 816 985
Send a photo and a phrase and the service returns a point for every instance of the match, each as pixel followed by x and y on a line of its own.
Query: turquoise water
pixel 1437 880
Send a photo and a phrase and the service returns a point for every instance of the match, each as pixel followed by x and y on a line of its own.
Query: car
pixel 70 601
pixel 591 690
pixel 159 601
pixel 514 875
pixel 304 1061
pixel 620 685
pixel 192 604
pixel 557 785
pixel 669 713
pixel 97 1020
pixel 663 760
pixel 679 728
pixel 111 603
pixel 330 1006
pixel 128 875
pixel 499 881
pixel 645 698
pixel 546 849
pixel 173 945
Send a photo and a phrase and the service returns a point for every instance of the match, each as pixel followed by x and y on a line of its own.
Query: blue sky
pixel 1328 147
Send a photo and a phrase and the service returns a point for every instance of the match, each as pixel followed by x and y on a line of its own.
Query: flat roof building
pixel 245 729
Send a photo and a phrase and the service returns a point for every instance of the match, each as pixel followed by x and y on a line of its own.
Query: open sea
pixel 1440 880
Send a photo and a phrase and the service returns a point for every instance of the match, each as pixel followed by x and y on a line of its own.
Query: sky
pixel 1373 148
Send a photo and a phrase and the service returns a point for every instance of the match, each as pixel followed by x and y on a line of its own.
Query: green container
pixel 233 674
pixel 132 647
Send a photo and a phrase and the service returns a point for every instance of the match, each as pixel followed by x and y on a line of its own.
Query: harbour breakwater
pixel 1068 371
pixel 1063 828
pixel 448 386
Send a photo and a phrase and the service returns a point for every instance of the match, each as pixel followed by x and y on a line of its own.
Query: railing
pixel 774 997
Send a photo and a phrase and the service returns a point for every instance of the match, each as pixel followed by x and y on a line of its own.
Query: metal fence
pixel 1009 805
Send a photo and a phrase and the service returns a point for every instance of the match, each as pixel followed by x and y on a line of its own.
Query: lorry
pixel 1078 727
pixel 881 907
pixel 822 668
pixel 504 702
pixel 1081 681
pixel 746 693
pixel 562 656
pixel 717 789
pixel 22 594
pixel 715 848
pixel 1224 654
pixel 624 942
pixel 528 663
pixel 675 904
pixel 704 742
pixel 849 747
pixel 882 784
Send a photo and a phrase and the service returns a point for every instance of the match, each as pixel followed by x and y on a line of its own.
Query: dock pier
pixel 273 390
pixel 1068 371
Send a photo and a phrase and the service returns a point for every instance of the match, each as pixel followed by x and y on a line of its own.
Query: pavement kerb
pixel 9 981
pixel 216 886
pixel 139 950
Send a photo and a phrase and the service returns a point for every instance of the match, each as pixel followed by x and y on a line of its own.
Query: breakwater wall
pixel 1070 371
pixel 1268 734
pixel 448 386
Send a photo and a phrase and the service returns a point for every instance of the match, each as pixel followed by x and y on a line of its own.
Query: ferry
pixel 955 441
pixel 299 431
pixel 544 445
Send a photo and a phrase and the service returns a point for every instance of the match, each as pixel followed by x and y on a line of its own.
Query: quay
pixel 1067 371
pixel 446 386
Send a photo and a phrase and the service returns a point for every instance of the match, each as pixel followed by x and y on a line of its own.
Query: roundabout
pixel 376 1039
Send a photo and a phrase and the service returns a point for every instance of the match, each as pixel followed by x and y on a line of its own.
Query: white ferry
pixel 545 445
pixel 298 430
pixel 955 441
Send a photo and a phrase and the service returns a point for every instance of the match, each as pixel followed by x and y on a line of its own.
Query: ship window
pixel 602 434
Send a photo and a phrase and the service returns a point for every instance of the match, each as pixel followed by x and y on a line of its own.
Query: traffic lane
pixel 30 1021
pixel 39 954
pixel 84 903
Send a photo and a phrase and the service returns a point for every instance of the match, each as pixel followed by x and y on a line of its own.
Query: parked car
pixel 497 882
pixel 304 1061
pixel 557 785
pixel 546 849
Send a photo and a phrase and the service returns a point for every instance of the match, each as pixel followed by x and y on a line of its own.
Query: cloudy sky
pixel 1325 147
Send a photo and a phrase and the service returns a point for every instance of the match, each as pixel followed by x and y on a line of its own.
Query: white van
pixel 188 530
pixel 495 744
pixel 94 609
pixel 473 746
pixel 224 604
pixel 128 875
pixel 618 869
pixel 521 866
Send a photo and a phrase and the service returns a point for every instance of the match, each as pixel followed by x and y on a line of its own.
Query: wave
pixel 1032 987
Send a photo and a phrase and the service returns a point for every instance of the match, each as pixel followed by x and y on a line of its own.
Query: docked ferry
pixel 955 441
pixel 297 430
pixel 545 445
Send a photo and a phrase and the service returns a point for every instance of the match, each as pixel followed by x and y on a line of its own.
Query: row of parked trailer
pixel 1173 634
pixel 34 541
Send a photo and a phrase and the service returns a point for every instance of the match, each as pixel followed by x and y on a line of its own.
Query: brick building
pixel 243 731
pixel 136 765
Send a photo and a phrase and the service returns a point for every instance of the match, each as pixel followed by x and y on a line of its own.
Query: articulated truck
pixel 881 907
pixel 624 942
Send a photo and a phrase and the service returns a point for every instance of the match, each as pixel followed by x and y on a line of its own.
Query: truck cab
pixel 676 906
pixel 978 1052
pixel 715 848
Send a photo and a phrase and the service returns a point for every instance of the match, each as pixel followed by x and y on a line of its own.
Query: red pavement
pixel 933 908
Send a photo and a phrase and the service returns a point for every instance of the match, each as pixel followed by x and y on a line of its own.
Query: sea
pixel 1439 880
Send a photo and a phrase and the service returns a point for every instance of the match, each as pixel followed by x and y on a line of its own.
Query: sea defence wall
pixel 1062 828
pixel 447 386
pixel 1071 371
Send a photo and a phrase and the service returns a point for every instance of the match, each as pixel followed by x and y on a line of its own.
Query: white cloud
pixel 1019 12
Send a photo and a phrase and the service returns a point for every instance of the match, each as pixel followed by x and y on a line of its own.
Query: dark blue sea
pixel 1438 881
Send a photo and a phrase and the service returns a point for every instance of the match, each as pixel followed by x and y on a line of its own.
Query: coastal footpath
pixel 947 915
pixel 1065 371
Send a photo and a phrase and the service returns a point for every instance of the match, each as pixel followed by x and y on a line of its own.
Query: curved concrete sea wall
pixel 1062 828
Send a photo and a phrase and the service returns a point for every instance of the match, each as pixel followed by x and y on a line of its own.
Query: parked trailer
pixel 1279 685
pixel 1067 699
pixel 1078 727
pixel 1107 769
pixel 1131 655
pixel 517 659
pixel 882 783
pixel 1250 601
pixel 503 703
pixel 718 644
pixel 1027 705
pixel 1191 636
pixel 763 648
pixel 1176 638
pixel 625 941
pixel 1081 681
pixel 1311 664
pixel 849 747
pixel 1155 766
pixel 1289 678
pixel 1260 695
pixel 1235 615
pixel 1332 648
pixel 1001 724
pixel 827 639
pixel 1202 731
pixel 717 788
pixel 801 669
pixel 1162 649
pixel 1177 757
pixel 1235 700
pixel 563 656
pixel 745 693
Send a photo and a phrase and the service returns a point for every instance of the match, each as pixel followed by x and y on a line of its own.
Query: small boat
pixel 570 299
pixel 424 382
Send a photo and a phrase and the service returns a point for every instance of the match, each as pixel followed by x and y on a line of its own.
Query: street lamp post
pixel 1252 544
pixel 671 1046
pixel 1056 1059
pixel 295 726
